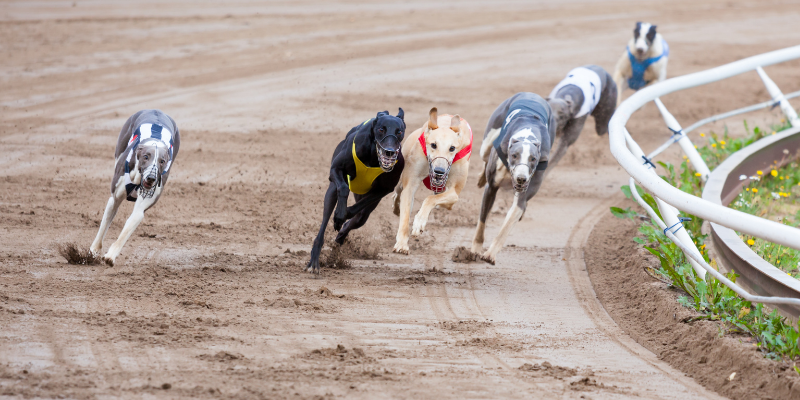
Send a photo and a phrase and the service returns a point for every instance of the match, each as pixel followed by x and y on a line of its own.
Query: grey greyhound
pixel 146 149
pixel 587 90
pixel 516 144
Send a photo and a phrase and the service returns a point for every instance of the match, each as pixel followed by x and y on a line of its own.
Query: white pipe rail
pixel 698 258
pixel 686 144
pixel 739 221
pixel 779 98
pixel 754 107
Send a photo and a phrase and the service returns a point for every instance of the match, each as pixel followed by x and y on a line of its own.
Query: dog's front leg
pixel 327 209
pixel 406 204
pixel 108 216
pixel 131 224
pixel 445 200
pixel 514 214
pixel 489 195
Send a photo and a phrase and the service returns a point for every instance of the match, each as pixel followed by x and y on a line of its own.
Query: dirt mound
pixel 648 311
pixel 547 369
pixel 223 356
pixel 463 255
pixel 340 353
pixel 76 255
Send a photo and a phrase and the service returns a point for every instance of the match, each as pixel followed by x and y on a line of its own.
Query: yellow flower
pixel 759 172
pixel 722 142
pixel 702 134
pixel 685 158
pixel 751 242
pixel 697 174
pixel 773 132
pixel 748 189
pixel 755 190
pixel 713 145
pixel 773 172
pixel 723 147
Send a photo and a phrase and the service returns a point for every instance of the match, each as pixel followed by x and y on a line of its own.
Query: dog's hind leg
pixel 136 217
pixel 112 206
pixel 572 130
pixel 398 191
pixel 327 209
pixel 357 221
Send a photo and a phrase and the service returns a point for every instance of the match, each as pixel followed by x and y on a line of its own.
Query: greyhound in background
pixel 587 90
pixel 368 162
pixel 146 149
pixel 520 133
pixel 440 162
pixel 644 61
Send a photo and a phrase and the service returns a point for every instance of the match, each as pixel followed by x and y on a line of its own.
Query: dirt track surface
pixel 208 298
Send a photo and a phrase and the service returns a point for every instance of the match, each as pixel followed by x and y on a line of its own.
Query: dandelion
pixel 755 190
pixel 748 189
pixel 759 172
pixel 773 132
pixel 773 172
pixel 713 145
pixel 685 158
pixel 702 134
pixel 751 242
pixel 722 142
pixel 697 174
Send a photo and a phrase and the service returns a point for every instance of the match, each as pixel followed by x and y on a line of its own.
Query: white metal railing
pixel 670 199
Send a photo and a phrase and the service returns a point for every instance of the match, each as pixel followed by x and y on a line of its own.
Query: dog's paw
pixel 312 267
pixel 337 223
pixel 400 249
pixel 488 258
pixel 108 260
pixel 417 229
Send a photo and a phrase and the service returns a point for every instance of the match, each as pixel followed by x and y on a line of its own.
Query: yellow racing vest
pixel 365 175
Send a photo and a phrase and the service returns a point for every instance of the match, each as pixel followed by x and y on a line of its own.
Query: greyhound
pixel 440 162
pixel 644 61
pixel 146 149
pixel 521 131
pixel 368 162
pixel 586 90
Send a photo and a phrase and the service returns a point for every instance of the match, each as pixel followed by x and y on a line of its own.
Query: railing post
pixel 779 98
pixel 686 144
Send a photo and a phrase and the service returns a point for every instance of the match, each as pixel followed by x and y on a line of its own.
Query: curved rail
pixel 669 199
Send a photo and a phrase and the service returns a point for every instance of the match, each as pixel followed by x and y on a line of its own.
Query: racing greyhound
pixel 440 162
pixel 586 90
pixel 644 61
pixel 521 131
pixel 368 162
pixel 146 149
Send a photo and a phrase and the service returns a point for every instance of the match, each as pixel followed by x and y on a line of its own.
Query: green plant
pixel 777 338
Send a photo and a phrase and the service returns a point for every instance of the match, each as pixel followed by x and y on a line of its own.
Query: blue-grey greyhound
pixel 587 90
pixel 146 149
pixel 516 147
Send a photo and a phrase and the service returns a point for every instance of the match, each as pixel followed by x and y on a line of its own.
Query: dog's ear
pixel 651 34
pixel 455 122
pixel 433 119
pixel 401 114
pixel 637 29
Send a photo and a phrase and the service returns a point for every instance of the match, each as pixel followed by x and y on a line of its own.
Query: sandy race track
pixel 208 298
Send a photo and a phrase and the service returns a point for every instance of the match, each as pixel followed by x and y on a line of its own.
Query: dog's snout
pixel 390 153
pixel 521 179
pixel 150 180
pixel 439 170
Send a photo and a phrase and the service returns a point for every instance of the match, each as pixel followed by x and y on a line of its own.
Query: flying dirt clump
pixel 76 255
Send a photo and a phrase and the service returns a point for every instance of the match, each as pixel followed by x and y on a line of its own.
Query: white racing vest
pixel 590 84
pixel 145 131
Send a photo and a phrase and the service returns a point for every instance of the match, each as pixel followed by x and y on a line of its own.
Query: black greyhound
pixel 368 162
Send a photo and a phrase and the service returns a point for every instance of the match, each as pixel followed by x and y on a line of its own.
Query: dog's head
pixel 387 132
pixel 442 144
pixel 152 157
pixel 524 151
pixel 643 36
pixel 564 108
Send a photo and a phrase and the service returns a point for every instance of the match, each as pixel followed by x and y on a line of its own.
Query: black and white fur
pixel 526 144
pixel 567 103
pixel 384 129
pixel 147 154
pixel 645 43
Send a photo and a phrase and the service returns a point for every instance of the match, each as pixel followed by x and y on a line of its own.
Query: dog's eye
pixel 162 161
pixel 514 156
pixel 146 157
pixel 452 148
pixel 433 145
pixel 382 130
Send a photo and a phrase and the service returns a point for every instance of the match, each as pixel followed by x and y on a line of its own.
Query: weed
pixel 776 337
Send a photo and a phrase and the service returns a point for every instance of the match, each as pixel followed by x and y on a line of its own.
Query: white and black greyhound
pixel 516 148
pixel 146 149
pixel 587 90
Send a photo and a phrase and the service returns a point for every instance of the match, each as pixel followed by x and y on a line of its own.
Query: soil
pixel 648 311
pixel 209 298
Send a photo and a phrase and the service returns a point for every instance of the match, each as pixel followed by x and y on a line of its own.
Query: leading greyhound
pixel 368 162
pixel 146 149
pixel 521 131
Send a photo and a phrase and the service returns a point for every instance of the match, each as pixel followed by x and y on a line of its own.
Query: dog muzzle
pixel 521 187
pixel 149 173
pixel 387 158
pixel 438 180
